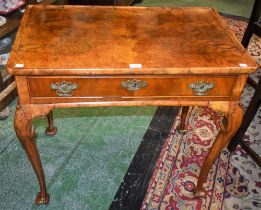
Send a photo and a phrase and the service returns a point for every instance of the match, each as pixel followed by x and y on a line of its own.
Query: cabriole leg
pixel 234 115
pixel 51 129
pixel 181 128
pixel 24 116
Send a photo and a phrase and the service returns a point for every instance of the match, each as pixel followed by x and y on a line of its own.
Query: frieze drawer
pixel 130 86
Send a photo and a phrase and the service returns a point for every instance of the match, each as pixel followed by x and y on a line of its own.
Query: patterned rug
pixel 233 181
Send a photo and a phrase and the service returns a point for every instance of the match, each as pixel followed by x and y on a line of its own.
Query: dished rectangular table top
pixel 79 40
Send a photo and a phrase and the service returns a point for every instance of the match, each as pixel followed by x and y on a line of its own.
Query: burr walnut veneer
pixel 74 56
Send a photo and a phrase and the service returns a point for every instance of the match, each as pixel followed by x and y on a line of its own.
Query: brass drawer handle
pixel 133 84
pixel 201 88
pixel 64 89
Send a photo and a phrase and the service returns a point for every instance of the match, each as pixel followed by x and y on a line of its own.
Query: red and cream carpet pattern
pixel 234 180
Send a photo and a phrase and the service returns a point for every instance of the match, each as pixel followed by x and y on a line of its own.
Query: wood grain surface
pixel 75 56
pixel 95 40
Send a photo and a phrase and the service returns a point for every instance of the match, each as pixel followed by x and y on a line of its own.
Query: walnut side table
pixel 75 56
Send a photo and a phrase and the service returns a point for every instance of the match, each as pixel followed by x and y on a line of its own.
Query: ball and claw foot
pixel 42 199
pixel 50 131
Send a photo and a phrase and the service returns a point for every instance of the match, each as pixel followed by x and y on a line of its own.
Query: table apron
pixel 130 87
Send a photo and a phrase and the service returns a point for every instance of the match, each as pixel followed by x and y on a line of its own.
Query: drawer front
pixel 132 86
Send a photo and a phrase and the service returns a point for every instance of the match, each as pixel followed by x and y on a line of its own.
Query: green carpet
pixel 234 7
pixel 84 163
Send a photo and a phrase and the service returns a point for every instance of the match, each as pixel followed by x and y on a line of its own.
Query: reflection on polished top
pixel 126 40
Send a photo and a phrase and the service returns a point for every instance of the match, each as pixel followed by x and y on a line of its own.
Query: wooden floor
pixel 136 180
